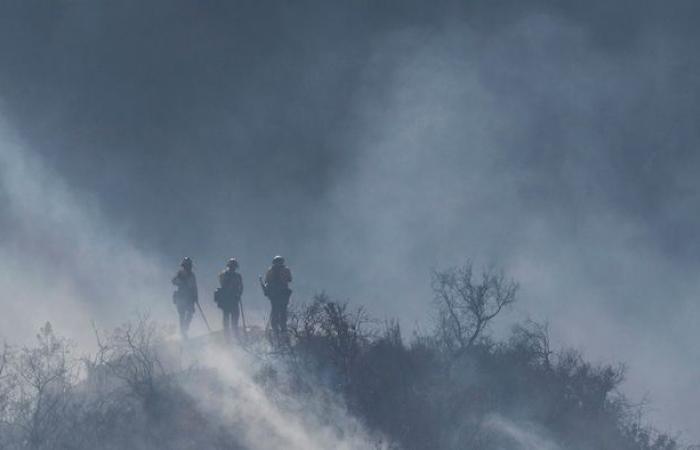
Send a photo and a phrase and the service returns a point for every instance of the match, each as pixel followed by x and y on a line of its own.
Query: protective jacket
pixel 186 292
pixel 277 281
pixel 231 289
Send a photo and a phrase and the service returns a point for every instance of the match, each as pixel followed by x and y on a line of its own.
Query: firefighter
pixel 228 297
pixel 276 288
pixel 185 296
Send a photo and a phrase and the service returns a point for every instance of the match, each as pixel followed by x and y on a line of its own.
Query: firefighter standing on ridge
pixel 228 297
pixel 185 296
pixel 276 288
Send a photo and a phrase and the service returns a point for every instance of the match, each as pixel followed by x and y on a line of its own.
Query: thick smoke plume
pixel 369 144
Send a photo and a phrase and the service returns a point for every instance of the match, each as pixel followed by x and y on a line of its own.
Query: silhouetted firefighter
pixel 276 288
pixel 228 297
pixel 185 296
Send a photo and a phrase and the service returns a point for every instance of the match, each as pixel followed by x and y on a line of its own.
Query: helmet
pixel 232 263
pixel 186 262
pixel 278 260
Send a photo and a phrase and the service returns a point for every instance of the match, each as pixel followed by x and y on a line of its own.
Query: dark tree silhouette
pixel 466 306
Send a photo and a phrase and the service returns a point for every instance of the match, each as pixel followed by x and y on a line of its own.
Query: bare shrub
pixel 36 392
pixel 466 306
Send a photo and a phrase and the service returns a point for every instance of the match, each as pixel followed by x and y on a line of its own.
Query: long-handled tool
pixel 268 324
pixel 263 286
pixel 203 316
pixel 245 331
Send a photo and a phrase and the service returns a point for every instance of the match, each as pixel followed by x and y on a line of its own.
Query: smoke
pixel 501 149
pixel 518 436
pixel 369 146
pixel 65 263
pixel 273 419
pixel 60 259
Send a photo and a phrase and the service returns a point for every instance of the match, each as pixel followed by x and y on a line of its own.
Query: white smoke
pixel 446 171
pixel 273 420
pixel 518 436
pixel 60 260
pixel 66 264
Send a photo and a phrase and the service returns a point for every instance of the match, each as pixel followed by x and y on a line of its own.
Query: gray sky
pixel 367 143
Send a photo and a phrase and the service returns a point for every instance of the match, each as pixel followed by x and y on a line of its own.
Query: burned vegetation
pixel 344 380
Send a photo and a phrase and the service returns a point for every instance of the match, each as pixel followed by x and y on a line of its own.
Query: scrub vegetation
pixel 452 387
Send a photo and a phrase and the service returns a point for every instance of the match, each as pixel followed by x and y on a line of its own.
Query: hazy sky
pixel 368 142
